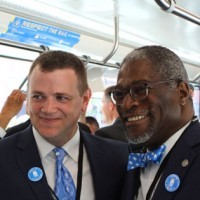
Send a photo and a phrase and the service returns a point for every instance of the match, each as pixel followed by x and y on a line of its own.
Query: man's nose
pixel 49 106
pixel 128 101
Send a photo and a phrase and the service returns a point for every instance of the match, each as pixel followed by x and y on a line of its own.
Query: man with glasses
pixel 153 99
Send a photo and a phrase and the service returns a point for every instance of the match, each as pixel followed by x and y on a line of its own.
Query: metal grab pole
pixel 116 43
pixel 116 31
pixel 171 7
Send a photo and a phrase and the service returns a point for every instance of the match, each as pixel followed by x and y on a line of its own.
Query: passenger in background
pixel 116 129
pixel 10 109
pixel 54 148
pixel 92 123
pixel 109 112
pixel 82 123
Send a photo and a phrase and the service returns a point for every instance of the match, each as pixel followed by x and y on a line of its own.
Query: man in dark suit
pixel 153 99
pixel 57 93
pixel 116 129
pixel 92 123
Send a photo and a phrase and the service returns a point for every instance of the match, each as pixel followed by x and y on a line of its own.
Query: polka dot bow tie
pixel 142 159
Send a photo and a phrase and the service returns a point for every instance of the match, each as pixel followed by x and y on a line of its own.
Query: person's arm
pixel 11 107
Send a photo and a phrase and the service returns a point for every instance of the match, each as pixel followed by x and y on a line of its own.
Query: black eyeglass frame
pixel 132 93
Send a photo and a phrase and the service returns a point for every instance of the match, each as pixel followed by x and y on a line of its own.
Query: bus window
pixel 14 67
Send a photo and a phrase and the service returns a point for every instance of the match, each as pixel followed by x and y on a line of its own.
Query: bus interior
pixel 100 32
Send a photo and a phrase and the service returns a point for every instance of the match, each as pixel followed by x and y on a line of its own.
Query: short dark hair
pixel 52 60
pixel 92 120
pixel 163 61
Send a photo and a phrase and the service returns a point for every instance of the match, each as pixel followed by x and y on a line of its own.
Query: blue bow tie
pixel 142 159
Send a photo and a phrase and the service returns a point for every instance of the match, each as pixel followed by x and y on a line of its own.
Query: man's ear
pixel 184 91
pixel 86 98
pixel 111 105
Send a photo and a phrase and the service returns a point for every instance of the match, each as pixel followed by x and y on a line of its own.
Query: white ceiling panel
pixel 141 22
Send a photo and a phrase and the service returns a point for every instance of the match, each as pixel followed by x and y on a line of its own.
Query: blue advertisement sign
pixel 35 33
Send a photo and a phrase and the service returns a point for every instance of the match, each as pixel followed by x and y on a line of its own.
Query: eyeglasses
pixel 138 91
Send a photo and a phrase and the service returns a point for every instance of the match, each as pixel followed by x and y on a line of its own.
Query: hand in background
pixel 11 107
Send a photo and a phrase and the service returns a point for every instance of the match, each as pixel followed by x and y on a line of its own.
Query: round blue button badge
pixel 35 174
pixel 172 183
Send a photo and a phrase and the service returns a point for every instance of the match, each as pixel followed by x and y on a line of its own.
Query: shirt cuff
pixel 2 132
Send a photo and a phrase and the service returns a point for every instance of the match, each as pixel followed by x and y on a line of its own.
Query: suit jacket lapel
pixel 180 160
pixel 95 156
pixel 175 166
pixel 27 157
pixel 131 185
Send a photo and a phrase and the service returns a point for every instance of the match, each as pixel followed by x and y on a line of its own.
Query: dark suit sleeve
pixel 100 133
pixel 84 127
pixel 17 128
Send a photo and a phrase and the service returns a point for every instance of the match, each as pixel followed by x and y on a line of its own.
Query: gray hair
pixel 164 62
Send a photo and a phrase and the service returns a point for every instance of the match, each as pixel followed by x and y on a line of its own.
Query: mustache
pixel 143 137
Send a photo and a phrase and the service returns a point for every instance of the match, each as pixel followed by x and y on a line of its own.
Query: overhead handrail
pixel 24 47
pixel 171 7
pixel 23 82
pixel 21 46
pixel 116 40
pixel 116 32
pixel 16 58
pixel 41 49
pixel 44 48
pixel 87 60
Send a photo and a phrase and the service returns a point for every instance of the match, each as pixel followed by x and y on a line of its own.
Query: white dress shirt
pixel 148 174
pixel 70 161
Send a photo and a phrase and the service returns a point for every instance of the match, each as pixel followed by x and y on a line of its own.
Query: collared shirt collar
pixel 45 148
pixel 173 139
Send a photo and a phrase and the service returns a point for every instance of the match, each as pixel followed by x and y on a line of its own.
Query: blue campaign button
pixel 35 174
pixel 172 183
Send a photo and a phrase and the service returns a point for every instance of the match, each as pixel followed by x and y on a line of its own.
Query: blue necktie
pixel 64 186
pixel 142 159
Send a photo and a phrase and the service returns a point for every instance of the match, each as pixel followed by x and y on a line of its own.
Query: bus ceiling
pixel 121 34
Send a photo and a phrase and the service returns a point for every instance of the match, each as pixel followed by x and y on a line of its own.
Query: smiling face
pixel 54 104
pixel 154 119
